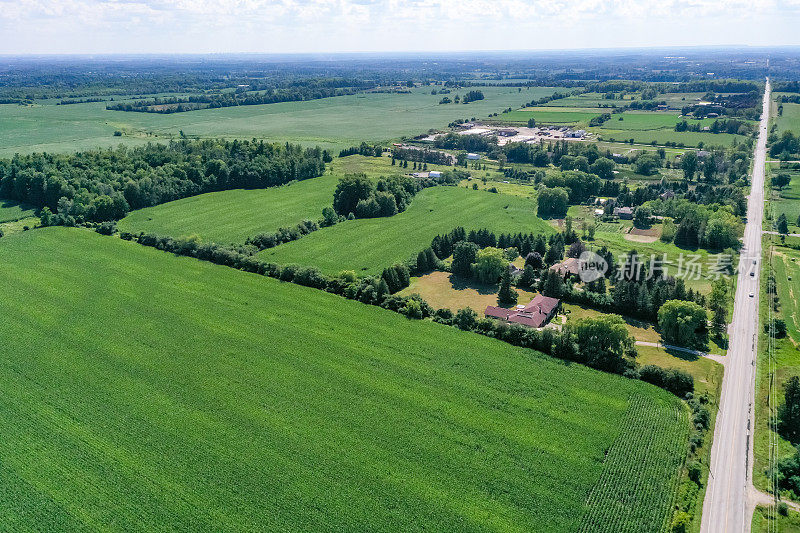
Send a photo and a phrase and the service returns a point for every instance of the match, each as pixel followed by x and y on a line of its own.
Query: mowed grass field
pixel 330 122
pixel 369 245
pixel 164 393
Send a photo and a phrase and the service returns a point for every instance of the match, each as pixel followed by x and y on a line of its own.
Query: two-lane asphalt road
pixel 728 505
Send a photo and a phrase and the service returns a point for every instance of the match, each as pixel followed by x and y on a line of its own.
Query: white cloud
pixel 326 25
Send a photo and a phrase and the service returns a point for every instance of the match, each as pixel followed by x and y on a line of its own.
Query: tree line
pixel 98 185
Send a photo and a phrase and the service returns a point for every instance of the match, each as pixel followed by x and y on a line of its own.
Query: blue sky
pixel 276 26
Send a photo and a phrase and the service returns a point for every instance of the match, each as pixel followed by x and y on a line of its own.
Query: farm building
pixel 473 157
pixel 536 314
pixel 434 174
pixel 625 213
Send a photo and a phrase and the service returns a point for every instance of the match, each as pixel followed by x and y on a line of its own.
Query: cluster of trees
pixel 600 119
pixel 683 323
pixel 98 185
pixel 176 104
pixel 472 96
pixel 262 241
pixel 725 125
pixel 369 150
pixel 444 245
pixel 359 196
pixel 789 428
pixel 786 146
pixel 468 143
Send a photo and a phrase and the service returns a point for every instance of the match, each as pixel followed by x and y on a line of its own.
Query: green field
pixel 164 393
pixel 787 200
pixel 11 210
pixel 369 245
pixel 331 122
pixel 789 119
pixel 549 115
pixel 688 138
pixel 233 216
pixel 650 120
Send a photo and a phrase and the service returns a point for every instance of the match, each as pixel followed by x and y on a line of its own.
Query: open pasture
pixel 330 122
pixel 164 393
pixel 369 245
pixel 551 115
pixel 789 119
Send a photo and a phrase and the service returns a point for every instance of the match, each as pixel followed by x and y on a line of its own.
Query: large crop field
pixel 664 135
pixel 551 115
pixel 233 216
pixel 330 122
pixel 369 245
pixel 164 393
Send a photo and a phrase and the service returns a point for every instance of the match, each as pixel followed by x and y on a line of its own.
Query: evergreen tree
pixel 506 295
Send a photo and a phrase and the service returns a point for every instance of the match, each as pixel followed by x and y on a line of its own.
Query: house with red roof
pixel 535 315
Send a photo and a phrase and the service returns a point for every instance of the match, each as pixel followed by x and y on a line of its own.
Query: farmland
pixel 168 393
pixel 544 115
pixel 351 245
pixel 789 120
pixel 329 122
pixel 233 216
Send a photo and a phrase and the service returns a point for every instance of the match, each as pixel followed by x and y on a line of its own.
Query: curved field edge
pixel 167 393
pixel 233 216
pixel 369 245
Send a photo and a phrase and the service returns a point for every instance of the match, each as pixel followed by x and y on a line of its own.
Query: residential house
pixel 568 267
pixel 625 213
pixel 536 314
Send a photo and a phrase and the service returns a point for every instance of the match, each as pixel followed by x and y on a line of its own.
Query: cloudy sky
pixel 274 26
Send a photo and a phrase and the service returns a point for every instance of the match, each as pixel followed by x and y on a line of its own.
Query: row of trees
pixel 99 185
pixel 178 104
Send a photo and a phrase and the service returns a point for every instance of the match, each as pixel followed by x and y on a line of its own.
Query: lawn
pixel 11 210
pixel 443 290
pixel 330 122
pixel 164 393
pixel 369 245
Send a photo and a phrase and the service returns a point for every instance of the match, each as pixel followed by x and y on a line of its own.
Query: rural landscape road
pixel 729 501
